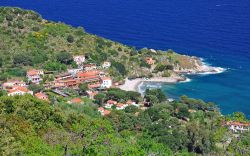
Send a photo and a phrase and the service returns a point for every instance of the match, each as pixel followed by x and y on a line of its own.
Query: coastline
pixel 203 69
pixel 132 85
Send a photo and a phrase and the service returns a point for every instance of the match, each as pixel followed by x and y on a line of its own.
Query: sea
pixel 216 30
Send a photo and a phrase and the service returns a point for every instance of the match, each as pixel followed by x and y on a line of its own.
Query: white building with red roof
pixel 34 76
pixel 19 90
pixel 103 111
pixel 121 106
pixel 238 126
pixel 106 82
pixel 10 84
pixel 110 103
pixel 42 96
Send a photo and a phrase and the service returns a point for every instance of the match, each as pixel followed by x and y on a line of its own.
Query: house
pixel 106 82
pixel 70 83
pixel 10 84
pixel 106 64
pixel 88 67
pixel 42 96
pixel 34 76
pixel 88 76
pixel 237 126
pixel 150 60
pixel 103 111
pixel 121 106
pixel 75 101
pixel 19 90
pixel 130 102
pixel 80 59
pixel 110 103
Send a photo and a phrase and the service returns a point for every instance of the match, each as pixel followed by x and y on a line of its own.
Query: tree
pixel 64 57
pixel 100 98
pixel 55 66
pixel 22 59
pixel 70 39
pixel 1 61
pixel 83 87
pixel 36 88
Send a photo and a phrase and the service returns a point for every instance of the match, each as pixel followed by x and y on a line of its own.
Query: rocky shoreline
pixel 179 76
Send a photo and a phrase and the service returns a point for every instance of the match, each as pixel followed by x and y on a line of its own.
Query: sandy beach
pixel 132 85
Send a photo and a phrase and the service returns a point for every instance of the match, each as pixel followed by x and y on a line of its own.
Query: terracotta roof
pixel 76 100
pixel 238 123
pixel 33 72
pixel 42 96
pixel 106 112
pixel 106 78
pixel 129 102
pixel 120 105
pixel 101 109
pixel 112 102
pixel 88 73
pixel 18 88
pixel 96 85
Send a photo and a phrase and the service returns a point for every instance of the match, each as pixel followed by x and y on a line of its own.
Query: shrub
pixel 64 57
pixel 70 39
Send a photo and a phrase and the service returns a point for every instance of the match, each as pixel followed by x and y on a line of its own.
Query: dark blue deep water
pixel 217 30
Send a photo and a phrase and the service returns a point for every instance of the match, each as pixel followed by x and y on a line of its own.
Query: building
pixel 69 83
pixel 238 126
pixel 88 67
pixel 106 82
pixel 42 96
pixel 150 60
pixel 103 111
pixel 106 64
pixel 35 76
pixel 11 84
pixel 121 106
pixel 88 76
pixel 19 90
pixel 110 103
pixel 80 59
pixel 75 101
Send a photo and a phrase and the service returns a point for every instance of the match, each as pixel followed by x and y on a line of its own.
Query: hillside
pixel 52 112
pixel 30 40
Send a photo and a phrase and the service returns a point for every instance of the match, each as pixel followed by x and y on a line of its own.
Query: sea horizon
pixel 188 28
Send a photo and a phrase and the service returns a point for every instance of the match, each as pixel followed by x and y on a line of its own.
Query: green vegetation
pixel 29 126
pixel 77 129
pixel 30 40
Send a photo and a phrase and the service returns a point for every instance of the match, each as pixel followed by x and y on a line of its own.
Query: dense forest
pixel 29 126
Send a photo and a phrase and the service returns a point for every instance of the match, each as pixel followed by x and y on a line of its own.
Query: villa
pixel 238 126
pixel 19 90
pixel 34 76
pixel 121 106
pixel 11 84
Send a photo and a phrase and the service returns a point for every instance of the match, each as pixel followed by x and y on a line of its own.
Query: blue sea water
pixel 216 30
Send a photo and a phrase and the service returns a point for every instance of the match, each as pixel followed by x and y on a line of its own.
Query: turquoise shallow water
pixel 218 31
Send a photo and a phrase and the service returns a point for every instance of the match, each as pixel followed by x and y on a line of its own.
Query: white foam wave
pixel 185 81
